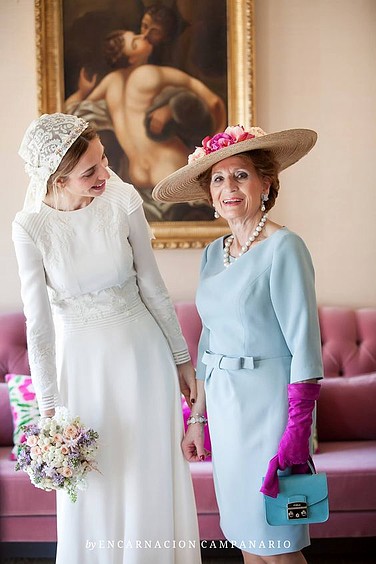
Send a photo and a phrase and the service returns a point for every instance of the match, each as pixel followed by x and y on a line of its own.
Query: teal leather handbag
pixel 302 499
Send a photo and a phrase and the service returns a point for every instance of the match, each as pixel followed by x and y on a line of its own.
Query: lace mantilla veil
pixel 46 141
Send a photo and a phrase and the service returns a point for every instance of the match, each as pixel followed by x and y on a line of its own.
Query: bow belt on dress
pixel 224 362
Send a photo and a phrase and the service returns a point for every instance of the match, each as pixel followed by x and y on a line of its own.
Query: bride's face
pixel 136 48
pixel 88 178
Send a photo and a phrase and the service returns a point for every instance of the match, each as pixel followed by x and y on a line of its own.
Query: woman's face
pixel 136 48
pixel 88 178
pixel 236 188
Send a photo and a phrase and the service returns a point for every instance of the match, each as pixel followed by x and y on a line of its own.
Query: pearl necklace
pixel 247 244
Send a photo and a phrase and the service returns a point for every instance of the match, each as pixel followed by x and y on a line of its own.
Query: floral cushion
pixel 186 414
pixel 23 404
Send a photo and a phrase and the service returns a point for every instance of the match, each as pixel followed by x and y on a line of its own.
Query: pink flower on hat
pixel 218 141
pixel 231 135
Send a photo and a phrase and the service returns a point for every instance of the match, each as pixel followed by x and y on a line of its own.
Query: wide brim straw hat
pixel 183 185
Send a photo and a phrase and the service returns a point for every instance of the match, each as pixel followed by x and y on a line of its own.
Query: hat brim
pixel 288 147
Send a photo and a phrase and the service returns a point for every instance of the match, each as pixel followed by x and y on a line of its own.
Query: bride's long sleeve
pixel 39 323
pixel 152 288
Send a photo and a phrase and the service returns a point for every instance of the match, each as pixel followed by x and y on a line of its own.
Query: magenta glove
pixel 293 447
pixel 294 444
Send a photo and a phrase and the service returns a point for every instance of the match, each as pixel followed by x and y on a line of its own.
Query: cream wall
pixel 315 68
pixel 18 107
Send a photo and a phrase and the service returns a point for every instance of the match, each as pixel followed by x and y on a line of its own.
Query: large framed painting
pixel 155 78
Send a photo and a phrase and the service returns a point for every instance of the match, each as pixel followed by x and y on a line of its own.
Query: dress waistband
pixel 224 362
pixel 82 317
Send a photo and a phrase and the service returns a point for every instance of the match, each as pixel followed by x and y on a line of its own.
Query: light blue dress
pixel 260 333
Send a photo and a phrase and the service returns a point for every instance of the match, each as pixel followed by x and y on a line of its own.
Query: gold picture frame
pixel 240 86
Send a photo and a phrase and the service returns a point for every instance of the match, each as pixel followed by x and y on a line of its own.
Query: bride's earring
pixel 55 195
pixel 264 198
pixel 60 198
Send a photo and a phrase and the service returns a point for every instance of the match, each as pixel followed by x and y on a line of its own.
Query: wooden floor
pixel 322 551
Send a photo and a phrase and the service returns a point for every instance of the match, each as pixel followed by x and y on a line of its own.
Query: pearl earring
pixel 216 214
pixel 264 198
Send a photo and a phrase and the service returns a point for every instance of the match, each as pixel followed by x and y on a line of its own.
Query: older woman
pixel 260 352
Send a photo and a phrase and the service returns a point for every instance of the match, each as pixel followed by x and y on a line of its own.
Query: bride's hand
pixel 187 382
pixel 48 412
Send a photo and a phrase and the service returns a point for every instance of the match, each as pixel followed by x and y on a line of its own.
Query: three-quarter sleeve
pixel 39 324
pixel 292 289
pixel 152 289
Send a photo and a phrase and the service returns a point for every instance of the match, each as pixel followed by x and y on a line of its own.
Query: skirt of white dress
pixel 120 378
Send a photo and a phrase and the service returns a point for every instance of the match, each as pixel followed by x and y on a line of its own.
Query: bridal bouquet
pixel 58 452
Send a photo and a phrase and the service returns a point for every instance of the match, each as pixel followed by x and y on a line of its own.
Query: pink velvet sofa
pixel 346 425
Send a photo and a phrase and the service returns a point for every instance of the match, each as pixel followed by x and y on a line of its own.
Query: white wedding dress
pixel 104 341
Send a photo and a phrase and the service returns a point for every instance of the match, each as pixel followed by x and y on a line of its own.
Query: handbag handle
pixel 270 484
pixel 311 465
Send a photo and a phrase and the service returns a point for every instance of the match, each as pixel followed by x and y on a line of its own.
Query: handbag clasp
pixel 297 510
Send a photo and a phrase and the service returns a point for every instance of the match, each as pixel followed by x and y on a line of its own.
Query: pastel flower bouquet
pixel 58 452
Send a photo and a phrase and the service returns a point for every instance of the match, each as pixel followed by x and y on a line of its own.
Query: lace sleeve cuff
pixel 48 402
pixel 181 357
